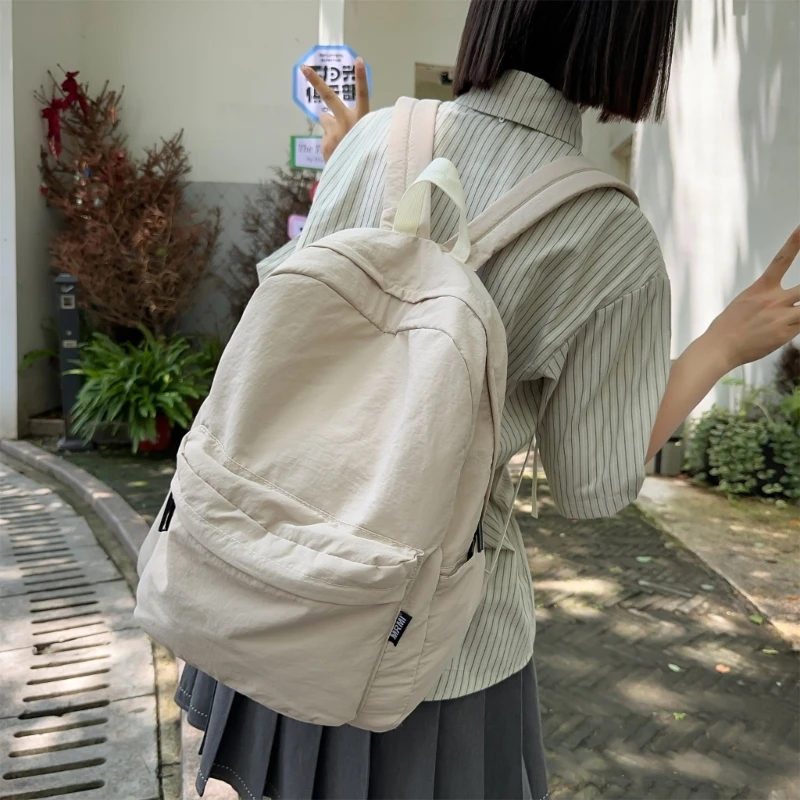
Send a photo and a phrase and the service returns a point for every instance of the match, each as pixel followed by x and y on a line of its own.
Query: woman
pixel 584 297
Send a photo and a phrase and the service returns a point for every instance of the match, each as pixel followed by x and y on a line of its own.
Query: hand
pixel 764 317
pixel 341 119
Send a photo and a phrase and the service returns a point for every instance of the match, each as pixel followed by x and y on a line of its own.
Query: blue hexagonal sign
pixel 336 65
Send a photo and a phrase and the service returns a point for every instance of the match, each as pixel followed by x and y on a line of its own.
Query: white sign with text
pixel 336 65
pixel 307 153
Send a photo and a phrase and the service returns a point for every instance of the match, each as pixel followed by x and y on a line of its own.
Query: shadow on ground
pixel 654 680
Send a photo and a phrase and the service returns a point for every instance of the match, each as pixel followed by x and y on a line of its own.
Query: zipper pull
pixel 166 517
pixel 477 542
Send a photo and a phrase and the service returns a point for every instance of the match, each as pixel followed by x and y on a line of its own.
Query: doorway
pixel 433 82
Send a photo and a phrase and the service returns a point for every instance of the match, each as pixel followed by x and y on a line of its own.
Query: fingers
pixel 362 89
pixel 330 139
pixel 329 97
pixel 328 122
pixel 783 260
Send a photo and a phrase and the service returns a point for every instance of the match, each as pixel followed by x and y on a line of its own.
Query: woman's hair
pixel 614 55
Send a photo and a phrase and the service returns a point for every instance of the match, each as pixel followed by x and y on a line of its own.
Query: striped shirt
pixel 584 297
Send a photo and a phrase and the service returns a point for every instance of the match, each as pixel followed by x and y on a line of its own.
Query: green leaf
pixel 615 570
pixel 34 357
pixel 135 384
pixel 756 618
pixel 644 559
pixel 678 715
pixel 769 651
pixel 674 668
pixel 707 587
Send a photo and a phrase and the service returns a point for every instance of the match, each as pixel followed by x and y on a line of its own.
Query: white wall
pixel 219 69
pixel 46 33
pixel 394 35
pixel 720 179
pixel 8 235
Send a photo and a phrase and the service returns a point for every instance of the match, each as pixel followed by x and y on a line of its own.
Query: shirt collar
pixel 528 101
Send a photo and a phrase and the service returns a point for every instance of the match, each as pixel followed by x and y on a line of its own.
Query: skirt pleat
pixel 485 746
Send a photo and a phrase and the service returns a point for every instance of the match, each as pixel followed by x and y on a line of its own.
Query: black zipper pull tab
pixel 166 517
pixel 477 542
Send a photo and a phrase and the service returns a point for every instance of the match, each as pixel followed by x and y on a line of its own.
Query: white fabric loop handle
pixel 411 210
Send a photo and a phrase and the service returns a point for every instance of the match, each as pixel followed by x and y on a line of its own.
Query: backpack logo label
pixel 400 625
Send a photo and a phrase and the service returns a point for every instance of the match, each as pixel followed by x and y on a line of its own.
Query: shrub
pixel 755 448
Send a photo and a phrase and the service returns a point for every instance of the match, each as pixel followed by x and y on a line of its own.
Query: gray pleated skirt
pixel 484 745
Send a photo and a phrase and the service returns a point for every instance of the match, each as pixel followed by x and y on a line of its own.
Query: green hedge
pixel 753 450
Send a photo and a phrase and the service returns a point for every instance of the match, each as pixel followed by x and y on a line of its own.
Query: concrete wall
pixel 720 179
pixel 46 33
pixel 394 35
pixel 219 69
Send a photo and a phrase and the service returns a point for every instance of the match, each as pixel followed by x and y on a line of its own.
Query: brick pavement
pixel 618 721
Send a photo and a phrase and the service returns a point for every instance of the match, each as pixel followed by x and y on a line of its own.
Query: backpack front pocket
pixel 291 608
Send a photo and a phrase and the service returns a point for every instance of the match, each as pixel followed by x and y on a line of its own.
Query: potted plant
pixel 146 389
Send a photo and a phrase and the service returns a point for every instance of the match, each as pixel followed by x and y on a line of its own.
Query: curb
pixel 130 530
pixel 654 515
pixel 128 526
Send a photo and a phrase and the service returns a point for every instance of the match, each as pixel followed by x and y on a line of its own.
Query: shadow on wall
pixel 719 178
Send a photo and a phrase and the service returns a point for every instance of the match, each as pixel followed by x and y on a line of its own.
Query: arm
pixel 691 378
pixel 760 320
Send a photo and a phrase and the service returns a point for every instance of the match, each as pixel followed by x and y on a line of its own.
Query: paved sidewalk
pixel 755 546
pixel 77 701
pixel 654 681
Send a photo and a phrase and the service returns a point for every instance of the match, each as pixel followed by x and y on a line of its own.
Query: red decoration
pixel 52 114
pixel 73 94
pixel 43 190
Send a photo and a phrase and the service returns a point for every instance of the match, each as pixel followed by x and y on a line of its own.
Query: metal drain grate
pixel 77 705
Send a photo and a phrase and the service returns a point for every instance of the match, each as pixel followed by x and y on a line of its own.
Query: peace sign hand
pixel 341 119
pixel 765 316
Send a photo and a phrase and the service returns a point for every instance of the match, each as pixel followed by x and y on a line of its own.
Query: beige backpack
pixel 321 551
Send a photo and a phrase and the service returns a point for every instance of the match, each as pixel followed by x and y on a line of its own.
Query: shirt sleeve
pixel 597 421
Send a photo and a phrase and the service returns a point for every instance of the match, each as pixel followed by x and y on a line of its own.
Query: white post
pixel 8 243
pixel 331 22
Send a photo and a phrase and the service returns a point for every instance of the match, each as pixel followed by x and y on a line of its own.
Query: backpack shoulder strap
pixel 532 199
pixel 409 152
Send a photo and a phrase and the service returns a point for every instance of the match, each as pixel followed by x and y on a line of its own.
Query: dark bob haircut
pixel 613 55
